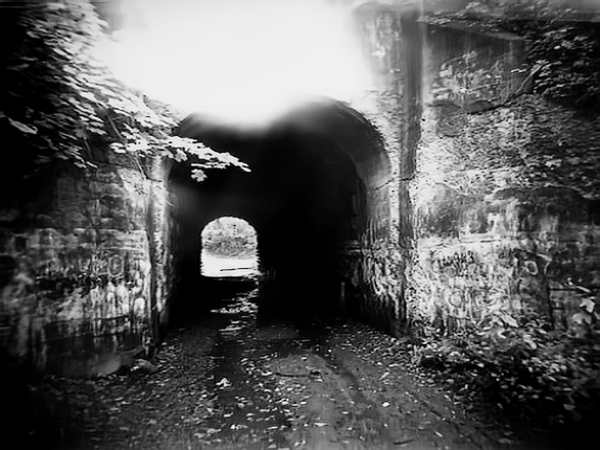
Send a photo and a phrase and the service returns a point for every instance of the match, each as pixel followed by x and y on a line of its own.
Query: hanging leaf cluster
pixel 61 101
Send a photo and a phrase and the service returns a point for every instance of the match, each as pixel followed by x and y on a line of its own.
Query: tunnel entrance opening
pixel 229 249
pixel 317 196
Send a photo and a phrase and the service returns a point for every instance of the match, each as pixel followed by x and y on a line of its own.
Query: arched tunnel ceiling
pixel 321 156
pixel 346 129
pixel 314 188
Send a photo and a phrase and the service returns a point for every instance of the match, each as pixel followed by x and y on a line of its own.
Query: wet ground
pixel 234 381
pixel 227 266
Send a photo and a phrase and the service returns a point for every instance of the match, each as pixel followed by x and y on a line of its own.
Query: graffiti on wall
pixel 65 298
pixel 470 287
pixel 474 284
pixel 474 75
pixel 378 217
pixel 112 264
pixel 375 275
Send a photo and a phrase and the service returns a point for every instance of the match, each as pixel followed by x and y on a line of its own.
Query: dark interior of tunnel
pixel 304 196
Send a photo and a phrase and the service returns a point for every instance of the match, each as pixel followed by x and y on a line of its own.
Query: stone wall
pixel 376 267
pixel 493 190
pixel 505 193
pixel 84 267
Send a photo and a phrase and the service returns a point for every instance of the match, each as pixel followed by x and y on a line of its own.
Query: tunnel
pixel 229 249
pixel 316 194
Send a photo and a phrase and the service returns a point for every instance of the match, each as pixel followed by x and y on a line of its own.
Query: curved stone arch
pixel 349 132
pixel 215 215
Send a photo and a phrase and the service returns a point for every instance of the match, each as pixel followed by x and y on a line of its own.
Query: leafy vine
pixel 61 100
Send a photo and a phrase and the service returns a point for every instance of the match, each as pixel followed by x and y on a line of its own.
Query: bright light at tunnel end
pixel 240 60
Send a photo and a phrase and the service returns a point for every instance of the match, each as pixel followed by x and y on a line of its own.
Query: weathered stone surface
pixel 504 193
pixel 376 269
pixel 493 190
pixel 77 283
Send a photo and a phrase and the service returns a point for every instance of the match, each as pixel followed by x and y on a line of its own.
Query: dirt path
pixel 230 382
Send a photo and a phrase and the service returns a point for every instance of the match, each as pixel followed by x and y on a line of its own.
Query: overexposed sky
pixel 240 59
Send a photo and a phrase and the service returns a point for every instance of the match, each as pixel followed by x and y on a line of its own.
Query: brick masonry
pixel 85 277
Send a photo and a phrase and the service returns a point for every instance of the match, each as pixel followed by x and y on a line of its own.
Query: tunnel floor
pixel 233 380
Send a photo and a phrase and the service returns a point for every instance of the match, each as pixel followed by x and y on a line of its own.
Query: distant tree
pixel 229 236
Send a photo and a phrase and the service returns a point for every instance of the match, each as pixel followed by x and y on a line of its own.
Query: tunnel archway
pixel 317 194
pixel 229 249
